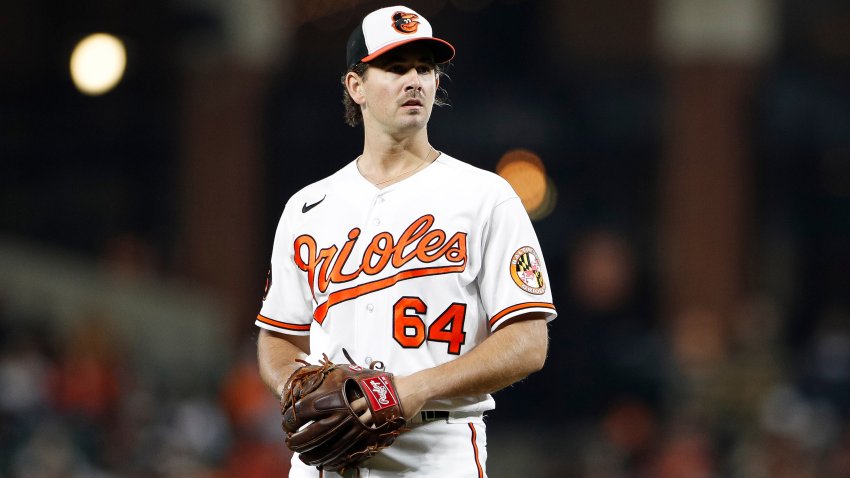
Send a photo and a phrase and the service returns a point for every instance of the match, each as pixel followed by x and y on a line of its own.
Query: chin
pixel 414 123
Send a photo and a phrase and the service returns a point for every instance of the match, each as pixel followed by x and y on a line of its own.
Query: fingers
pixel 366 418
pixel 362 411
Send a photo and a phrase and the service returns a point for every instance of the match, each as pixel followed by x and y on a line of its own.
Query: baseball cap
pixel 389 28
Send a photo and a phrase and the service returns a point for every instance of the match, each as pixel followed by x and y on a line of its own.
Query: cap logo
pixel 406 23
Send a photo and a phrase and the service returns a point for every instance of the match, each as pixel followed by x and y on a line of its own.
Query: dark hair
pixel 353 114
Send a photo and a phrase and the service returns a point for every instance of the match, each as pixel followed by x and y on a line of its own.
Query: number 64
pixel 409 330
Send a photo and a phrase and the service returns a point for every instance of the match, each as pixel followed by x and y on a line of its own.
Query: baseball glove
pixel 320 423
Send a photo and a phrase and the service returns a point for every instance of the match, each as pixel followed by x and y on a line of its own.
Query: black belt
pixel 430 416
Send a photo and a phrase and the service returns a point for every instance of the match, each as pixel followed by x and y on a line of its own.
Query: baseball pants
pixel 453 447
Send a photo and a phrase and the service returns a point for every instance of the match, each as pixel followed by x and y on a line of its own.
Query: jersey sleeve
pixel 513 279
pixel 287 301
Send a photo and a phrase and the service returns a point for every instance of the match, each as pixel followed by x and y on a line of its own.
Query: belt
pixel 430 416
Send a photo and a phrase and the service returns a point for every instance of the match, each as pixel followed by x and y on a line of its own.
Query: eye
pixel 423 69
pixel 397 69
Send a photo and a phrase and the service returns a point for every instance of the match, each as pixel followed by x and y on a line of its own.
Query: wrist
pixel 418 387
pixel 286 374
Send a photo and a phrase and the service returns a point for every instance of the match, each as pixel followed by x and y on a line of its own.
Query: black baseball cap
pixel 389 28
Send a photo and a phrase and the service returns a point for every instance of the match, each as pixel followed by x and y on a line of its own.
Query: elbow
pixel 540 347
pixel 531 363
pixel 537 360
pixel 530 344
pixel 534 356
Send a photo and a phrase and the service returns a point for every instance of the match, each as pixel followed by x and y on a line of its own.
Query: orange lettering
pixel 310 266
pixel 325 257
pixel 455 250
pixel 431 242
pixel 418 241
pixel 337 276
pixel 384 253
pixel 408 237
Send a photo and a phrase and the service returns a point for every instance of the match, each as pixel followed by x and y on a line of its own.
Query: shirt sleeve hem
pixel 282 327
pixel 508 313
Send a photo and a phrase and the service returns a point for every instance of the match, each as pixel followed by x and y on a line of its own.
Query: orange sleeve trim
pixel 514 308
pixel 283 325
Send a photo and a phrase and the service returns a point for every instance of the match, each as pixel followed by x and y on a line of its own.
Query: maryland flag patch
pixel 527 272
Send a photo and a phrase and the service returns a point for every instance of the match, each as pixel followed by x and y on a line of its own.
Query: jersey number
pixel 409 328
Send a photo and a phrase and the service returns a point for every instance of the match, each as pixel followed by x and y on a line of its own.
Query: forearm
pixel 276 357
pixel 509 355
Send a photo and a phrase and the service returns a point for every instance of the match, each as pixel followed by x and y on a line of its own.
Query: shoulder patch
pixel 526 271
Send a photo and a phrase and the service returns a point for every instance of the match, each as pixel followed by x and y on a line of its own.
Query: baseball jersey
pixel 413 275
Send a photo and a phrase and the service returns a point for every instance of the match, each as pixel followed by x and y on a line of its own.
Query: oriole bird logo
pixel 405 22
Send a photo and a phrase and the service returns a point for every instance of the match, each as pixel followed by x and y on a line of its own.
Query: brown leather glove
pixel 322 427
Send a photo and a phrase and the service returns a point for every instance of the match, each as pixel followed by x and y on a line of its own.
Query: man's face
pixel 399 89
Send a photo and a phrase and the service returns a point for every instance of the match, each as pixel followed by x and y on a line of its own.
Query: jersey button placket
pixel 379 199
pixel 364 338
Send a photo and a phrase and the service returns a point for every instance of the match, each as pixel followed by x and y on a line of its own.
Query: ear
pixel 354 85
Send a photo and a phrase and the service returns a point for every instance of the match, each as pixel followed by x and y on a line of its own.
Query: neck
pixel 386 160
pixel 385 155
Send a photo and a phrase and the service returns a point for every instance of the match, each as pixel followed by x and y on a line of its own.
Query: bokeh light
pixel 550 198
pixel 98 63
pixel 525 172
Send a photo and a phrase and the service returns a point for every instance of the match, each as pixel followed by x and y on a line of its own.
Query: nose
pixel 412 80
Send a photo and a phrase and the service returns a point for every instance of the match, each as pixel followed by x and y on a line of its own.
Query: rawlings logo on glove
pixel 379 394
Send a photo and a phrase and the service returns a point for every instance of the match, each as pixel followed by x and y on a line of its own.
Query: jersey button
pixel 377 221
pixel 370 307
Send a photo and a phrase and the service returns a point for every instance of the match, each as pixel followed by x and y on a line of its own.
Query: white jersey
pixel 414 275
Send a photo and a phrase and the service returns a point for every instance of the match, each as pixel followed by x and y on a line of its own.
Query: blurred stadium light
pixel 98 63
pixel 525 172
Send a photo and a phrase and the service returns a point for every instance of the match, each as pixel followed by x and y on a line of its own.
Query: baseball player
pixel 408 256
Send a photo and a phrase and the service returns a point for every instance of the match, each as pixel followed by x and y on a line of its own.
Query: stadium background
pixel 696 227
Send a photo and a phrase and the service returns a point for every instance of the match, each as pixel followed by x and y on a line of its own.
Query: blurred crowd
pixel 78 406
pixel 629 395
pixel 649 397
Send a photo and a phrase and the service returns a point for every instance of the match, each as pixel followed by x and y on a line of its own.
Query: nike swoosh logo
pixel 306 208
